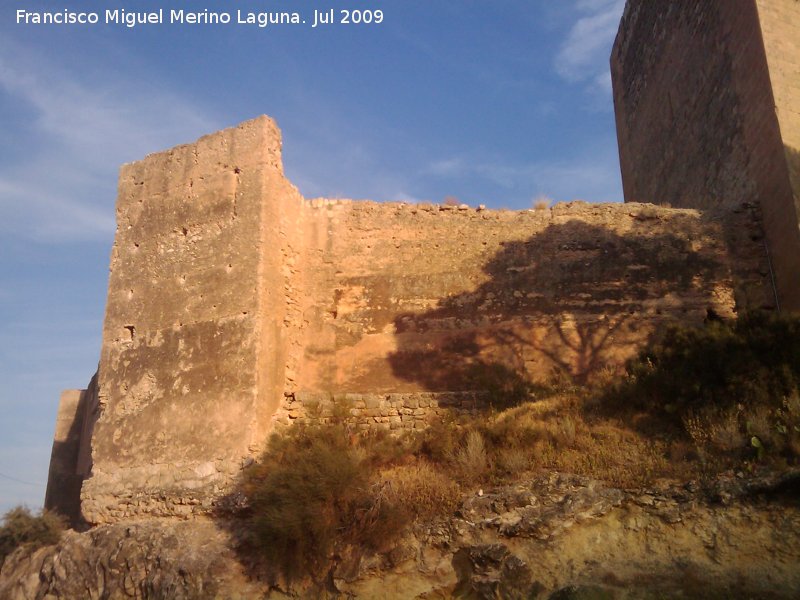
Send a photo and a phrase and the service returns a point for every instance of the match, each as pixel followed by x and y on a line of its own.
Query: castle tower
pixel 707 100
pixel 192 363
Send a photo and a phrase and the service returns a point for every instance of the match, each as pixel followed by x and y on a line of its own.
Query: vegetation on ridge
pixel 694 403
pixel 22 528
pixel 729 385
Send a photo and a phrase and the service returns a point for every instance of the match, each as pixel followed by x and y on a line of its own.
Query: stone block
pixel 372 401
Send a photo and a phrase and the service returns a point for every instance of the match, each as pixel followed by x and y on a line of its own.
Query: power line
pixel 10 478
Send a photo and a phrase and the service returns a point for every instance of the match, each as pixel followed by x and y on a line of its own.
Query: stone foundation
pixel 391 412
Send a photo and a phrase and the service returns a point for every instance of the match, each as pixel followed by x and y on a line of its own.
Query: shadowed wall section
pixel 409 298
pixel 706 95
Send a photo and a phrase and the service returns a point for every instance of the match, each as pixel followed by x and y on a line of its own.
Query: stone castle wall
pixel 780 28
pixel 706 95
pixel 406 298
pixel 235 306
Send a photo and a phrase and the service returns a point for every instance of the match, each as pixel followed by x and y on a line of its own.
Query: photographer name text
pixel 263 19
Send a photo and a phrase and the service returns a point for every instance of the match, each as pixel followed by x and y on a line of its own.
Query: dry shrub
pixel 422 490
pixel 440 441
pixel 730 387
pixel 450 201
pixel 753 361
pixel 514 460
pixel 23 528
pixel 541 203
pixel 791 407
pixel 565 432
pixel 380 449
pixel 313 498
pixel 793 444
pixel 725 431
pixel 760 422
pixel 471 460
pixel 790 423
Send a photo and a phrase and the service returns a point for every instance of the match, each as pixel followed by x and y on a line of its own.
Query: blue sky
pixel 493 102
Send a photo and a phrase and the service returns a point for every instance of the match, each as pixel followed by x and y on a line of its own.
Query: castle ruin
pixel 237 307
pixel 707 99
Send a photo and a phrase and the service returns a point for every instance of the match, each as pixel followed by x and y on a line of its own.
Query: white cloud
pixel 74 132
pixel 584 179
pixel 449 167
pixel 583 55
pixel 593 176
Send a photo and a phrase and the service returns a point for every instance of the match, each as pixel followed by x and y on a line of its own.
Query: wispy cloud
pixel 447 167
pixel 581 179
pixel 583 55
pixel 341 154
pixel 77 132
pixel 593 176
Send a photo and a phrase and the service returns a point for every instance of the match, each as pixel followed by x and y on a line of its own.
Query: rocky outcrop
pixel 157 558
pixel 563 536
pixel 555 536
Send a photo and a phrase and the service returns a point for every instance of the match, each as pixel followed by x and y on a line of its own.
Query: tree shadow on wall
pixel 572 299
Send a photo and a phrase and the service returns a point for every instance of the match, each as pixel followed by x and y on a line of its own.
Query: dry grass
pixel 422 489
pixel 514 461
pixel 565 439
pixel 789 416
pixel 556 433
pixel 725 436
pixel 761 423
pixel 725 431
pixel 314 496
pixel 471 460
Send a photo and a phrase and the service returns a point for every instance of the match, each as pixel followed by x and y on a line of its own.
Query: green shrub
pixel 314 498
pixel 753 360
pixel 22 528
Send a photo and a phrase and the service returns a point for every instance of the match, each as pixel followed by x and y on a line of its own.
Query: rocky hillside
pixel 553 536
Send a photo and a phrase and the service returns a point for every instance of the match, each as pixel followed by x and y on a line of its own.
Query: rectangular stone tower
pixel 707 100
pixel 194 348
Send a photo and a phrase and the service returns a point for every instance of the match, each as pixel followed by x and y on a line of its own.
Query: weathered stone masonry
pixel 390 412
pixel 707 99
pixel 236 307
pixel 233 301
